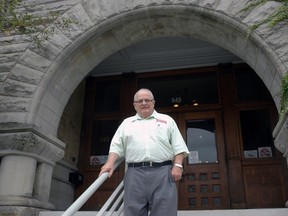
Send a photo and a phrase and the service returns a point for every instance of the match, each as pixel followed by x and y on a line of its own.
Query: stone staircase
pixel 234 212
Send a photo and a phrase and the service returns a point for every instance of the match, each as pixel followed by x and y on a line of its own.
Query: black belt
pixel 150 164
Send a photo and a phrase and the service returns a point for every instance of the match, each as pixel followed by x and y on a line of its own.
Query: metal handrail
pixel 89 192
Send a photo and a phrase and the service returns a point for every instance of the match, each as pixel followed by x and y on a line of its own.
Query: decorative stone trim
pixel 31 144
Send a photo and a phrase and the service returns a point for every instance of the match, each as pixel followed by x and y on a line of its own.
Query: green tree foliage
pixel 284 95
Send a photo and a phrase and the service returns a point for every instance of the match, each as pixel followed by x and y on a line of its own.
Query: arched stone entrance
pixel 127 29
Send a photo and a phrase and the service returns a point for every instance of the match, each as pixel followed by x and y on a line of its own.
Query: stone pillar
pixel 280 135
pixel 43 182
pixel 27 161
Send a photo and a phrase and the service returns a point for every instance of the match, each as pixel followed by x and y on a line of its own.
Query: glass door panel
pixel 201 141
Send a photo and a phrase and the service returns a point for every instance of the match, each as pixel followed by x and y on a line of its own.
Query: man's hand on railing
pixel 107 168
pixel 109 165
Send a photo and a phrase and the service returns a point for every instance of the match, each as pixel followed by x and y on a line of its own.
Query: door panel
pixel 264 186
pixel 204 182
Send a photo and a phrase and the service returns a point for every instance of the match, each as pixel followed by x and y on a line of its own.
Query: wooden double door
pixel 213 180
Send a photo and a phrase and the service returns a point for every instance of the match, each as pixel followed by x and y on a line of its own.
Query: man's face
pixel 144 103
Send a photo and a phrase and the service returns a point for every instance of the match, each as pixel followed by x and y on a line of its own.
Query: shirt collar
pixel 138 117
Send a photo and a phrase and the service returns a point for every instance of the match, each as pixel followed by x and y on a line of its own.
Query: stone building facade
pixel 36 84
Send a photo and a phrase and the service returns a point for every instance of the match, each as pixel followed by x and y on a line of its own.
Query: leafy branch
pixel 15 20
pixel 278 16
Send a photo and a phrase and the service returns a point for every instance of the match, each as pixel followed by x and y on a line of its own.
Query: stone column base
pixel 22 206
pixel 18 211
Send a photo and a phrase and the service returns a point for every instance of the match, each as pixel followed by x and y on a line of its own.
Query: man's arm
pixel 178 159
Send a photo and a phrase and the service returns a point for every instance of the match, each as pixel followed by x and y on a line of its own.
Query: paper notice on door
pixel 193 158
pixel 98 160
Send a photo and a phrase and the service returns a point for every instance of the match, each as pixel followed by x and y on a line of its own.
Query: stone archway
pixel 133 26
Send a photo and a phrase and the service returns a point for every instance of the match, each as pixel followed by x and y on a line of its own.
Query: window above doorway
pixel 250 87
pixel 183 90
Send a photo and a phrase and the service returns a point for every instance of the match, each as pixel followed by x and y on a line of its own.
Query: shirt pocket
pixel 162 131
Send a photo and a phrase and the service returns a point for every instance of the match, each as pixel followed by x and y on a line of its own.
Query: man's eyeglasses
pixel 143 101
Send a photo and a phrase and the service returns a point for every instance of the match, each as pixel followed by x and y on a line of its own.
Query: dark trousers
pixel 150 189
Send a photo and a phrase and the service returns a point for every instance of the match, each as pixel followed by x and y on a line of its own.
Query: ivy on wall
pixel 284 95
pixel 14 19
pixel 276 17
pixel 281 14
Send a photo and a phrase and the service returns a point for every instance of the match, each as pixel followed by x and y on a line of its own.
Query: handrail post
pixel 106 205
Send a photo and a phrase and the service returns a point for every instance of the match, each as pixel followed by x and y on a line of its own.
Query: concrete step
pixel 226 212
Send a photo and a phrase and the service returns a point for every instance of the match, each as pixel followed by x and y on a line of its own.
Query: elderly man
pixel 154 151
